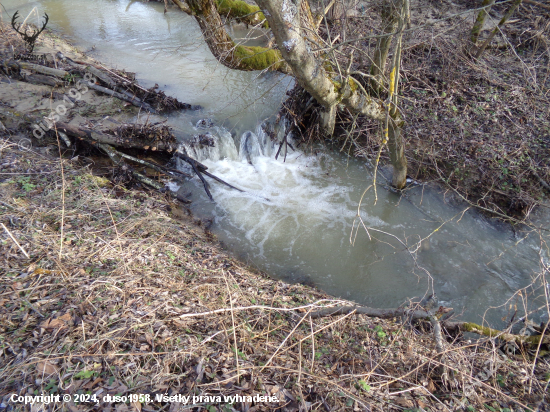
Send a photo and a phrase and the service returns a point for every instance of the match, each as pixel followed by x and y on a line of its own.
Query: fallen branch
pixel 204 182
pixel 41 79
pixel 18 65
pixel 42 69
pixel 154 166
pixel 92 135
pixel 133 100
pixel 493 333
pixel 15 241
pixel 431 317
pixel 116 157
pixel 201 169
pixel 371 312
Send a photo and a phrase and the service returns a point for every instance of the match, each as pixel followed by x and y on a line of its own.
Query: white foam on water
pixel 283 200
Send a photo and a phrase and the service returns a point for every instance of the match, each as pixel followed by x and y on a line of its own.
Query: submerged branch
pixel 200 169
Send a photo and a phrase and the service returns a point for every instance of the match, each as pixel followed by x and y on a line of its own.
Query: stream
pixel 298 216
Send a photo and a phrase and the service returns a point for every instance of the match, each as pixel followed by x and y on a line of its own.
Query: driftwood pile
pixel 157 137
pixel 62 70
pixel 154 133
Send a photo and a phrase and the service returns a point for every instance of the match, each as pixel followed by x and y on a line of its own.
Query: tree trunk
pixel 501 23
pixel 390 20
pixel 222 46
pixel 328 121
pixel 396 148
pixel 296 36
pixel 480 21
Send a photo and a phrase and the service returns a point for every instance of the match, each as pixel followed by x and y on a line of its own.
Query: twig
pixel 15 241
pixel 538 4
pixel 33 308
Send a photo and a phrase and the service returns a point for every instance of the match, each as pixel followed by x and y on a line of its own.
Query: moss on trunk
pixel 241 10
pixel 258 58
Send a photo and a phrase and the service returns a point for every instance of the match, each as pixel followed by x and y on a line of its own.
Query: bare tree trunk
pixel 394 123
pixel 502 21
pixel 480 21
pixel 396 148
pixel 390 20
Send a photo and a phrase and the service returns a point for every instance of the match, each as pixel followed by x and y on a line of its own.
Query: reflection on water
pixel 296 217
pixel 166 49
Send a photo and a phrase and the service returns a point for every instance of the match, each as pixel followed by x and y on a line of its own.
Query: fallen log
pixel 102 76
pixel 92 135
pixel 105 78
pixel 431 316
pixel 41 79
pixel 43 70
pixel 18 65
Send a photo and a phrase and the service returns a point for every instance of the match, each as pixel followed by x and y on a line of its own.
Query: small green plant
pixel 26 184
pixel 364 385
pixel 84 374
pixel 380 332
pixel 69 77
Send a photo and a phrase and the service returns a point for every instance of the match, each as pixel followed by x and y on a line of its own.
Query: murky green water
pixel 297 217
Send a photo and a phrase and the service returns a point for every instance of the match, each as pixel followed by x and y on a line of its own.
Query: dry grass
pixel 123 296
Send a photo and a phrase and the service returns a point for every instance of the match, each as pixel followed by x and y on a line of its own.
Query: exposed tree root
pixel 432 317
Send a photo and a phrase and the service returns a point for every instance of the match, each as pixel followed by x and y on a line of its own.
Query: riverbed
pixel 303 217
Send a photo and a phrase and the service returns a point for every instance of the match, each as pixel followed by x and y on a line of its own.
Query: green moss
pixel 486 331
pixel 352 85
pixel 258 58
pixel 240 9
pixel 337 85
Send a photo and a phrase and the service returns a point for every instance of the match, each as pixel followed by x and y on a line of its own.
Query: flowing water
pixel 300 213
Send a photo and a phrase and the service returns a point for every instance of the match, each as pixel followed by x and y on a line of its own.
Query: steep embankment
pixel 111 290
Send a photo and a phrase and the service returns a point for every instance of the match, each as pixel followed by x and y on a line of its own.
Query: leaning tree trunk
pixel 221 45
pixel 298 53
